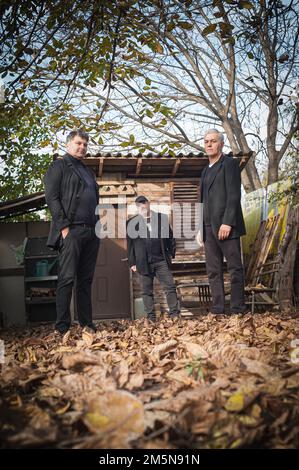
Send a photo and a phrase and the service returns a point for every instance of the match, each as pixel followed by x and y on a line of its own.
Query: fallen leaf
pixel 258 368
pixel 121 373
pixel 241 399
pixel 163 349
pixel 195 350
pixel 118 413
pixel 135 381
pixel 50 392
pixel 70 361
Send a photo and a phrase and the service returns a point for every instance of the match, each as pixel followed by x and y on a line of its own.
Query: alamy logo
pixel 2 352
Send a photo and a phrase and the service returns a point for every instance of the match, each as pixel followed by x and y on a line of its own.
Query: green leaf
pixel 209 29
pixel 158 48
pixel 23 63
pixel 226 27
pixel 148 81
pixel 28 50
pixel 165 111
pixel 45 143
pixel 218 14
pixel 217 3
pixel 106 45
pixel 245 4
pixel 170 26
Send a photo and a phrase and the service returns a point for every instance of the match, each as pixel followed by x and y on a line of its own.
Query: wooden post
pixel 138 166
pixel 101 164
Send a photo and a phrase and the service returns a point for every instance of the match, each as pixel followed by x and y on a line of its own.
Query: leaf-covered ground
pixel 209 382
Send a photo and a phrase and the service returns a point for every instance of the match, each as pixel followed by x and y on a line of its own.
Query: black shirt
pixel 85 213
pixel 153 243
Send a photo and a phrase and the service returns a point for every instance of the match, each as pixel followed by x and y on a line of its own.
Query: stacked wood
pixel 261 247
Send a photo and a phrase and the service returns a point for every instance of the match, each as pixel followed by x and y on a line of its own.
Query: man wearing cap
pixel 151 247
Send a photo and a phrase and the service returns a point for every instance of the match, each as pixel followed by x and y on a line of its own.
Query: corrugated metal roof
pixel 191 155
pixel 153 165
pixel 22 205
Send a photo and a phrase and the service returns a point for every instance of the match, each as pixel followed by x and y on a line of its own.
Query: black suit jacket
pixel 224 197
pixel 63 188
pixel 137 254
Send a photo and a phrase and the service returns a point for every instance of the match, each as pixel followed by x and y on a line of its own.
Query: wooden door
pixel 111 282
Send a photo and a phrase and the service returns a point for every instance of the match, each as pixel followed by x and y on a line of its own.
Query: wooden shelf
pixel 41 300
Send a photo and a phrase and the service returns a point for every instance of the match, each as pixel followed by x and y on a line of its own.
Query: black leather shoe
pixel 152 317
pixel 92 327
pixel 174 315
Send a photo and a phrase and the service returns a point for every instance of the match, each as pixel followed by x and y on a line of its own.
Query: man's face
pixel 143 208
pixel 77 147
pixel 213 145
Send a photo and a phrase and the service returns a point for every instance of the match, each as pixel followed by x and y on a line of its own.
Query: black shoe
pixel 91 327
pixel 174 315
pixel 59 337
pixel 88 335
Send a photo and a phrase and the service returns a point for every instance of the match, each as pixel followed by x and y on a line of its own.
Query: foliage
pixel 146 75
pixel 195 369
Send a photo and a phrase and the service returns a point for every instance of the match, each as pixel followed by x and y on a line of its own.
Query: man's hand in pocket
pixel 64 232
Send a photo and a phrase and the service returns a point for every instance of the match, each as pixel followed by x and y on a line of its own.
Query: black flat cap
pixel 141 199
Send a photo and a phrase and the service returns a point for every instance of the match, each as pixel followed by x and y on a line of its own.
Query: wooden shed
pixel 164 180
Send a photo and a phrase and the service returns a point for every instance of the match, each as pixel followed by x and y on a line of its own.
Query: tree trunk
pixel 237 140
pixel 287 254
pixel 250 178
pixel 273 166
pixel 273 154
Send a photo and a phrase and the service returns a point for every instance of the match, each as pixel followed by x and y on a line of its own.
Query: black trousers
pixel 164 276
pixel 215 250
pixel 77 260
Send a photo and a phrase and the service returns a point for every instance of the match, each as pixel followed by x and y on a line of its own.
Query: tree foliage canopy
pixel 140 74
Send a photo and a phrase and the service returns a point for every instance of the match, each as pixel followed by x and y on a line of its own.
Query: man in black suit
pixel 72 197
pixel 151 247
pixel 223 223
